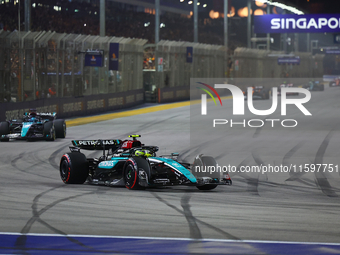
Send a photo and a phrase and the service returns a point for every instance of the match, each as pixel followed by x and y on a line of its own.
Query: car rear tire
pixel 74 168
pixel 49 131
pixel 136 171
pixel 4 130
pixel 60 128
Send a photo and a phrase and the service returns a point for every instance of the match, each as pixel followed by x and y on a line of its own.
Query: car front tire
pixel 49 131
pixel 205 161
pixel 136 173
pixel 60 128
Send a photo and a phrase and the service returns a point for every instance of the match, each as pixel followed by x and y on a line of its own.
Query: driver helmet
pixel 139 153
pixel 33 112
pixel 145 153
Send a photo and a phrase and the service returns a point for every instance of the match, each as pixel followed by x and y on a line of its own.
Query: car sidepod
pixel 184 176
pixel 31 130
pixel 110 172
pixel 25 128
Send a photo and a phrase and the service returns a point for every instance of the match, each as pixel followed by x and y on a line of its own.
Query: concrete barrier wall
pixel 166 95
pixel 73 107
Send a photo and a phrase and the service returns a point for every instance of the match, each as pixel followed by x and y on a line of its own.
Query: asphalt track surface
pixel 286 213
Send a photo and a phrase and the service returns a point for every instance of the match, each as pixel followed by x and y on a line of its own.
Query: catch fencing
pixel 39 65
pixel 168 78
pixel 254 63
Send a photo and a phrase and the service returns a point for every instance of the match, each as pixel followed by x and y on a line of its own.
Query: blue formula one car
pixel 131 164
pixel 314 86
pixel 33 126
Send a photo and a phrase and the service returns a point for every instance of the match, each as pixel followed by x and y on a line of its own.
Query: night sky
pixel 316 6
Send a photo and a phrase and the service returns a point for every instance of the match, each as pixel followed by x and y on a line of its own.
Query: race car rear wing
pixel 97 144
pixel 44 115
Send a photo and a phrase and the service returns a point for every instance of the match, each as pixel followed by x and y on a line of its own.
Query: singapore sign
pixel 291 23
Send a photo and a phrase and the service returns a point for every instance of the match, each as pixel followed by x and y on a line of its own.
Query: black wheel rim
pixel 64 168
pixel 129 175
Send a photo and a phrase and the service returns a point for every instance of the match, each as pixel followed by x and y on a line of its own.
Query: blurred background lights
pixel 243 12
pixel 259 12
pixel 214 15
pixel 232 12
pixel 260 4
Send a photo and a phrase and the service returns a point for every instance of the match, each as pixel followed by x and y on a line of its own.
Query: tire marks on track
pixel 195 232
pixel 321 178
pixel 27 158
pixel 252 183
pixel 21 240
pixel 53 156
pixel 193 220
pixel 295 176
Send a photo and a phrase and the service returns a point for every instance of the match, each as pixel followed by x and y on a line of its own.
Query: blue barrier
pixel 36 244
